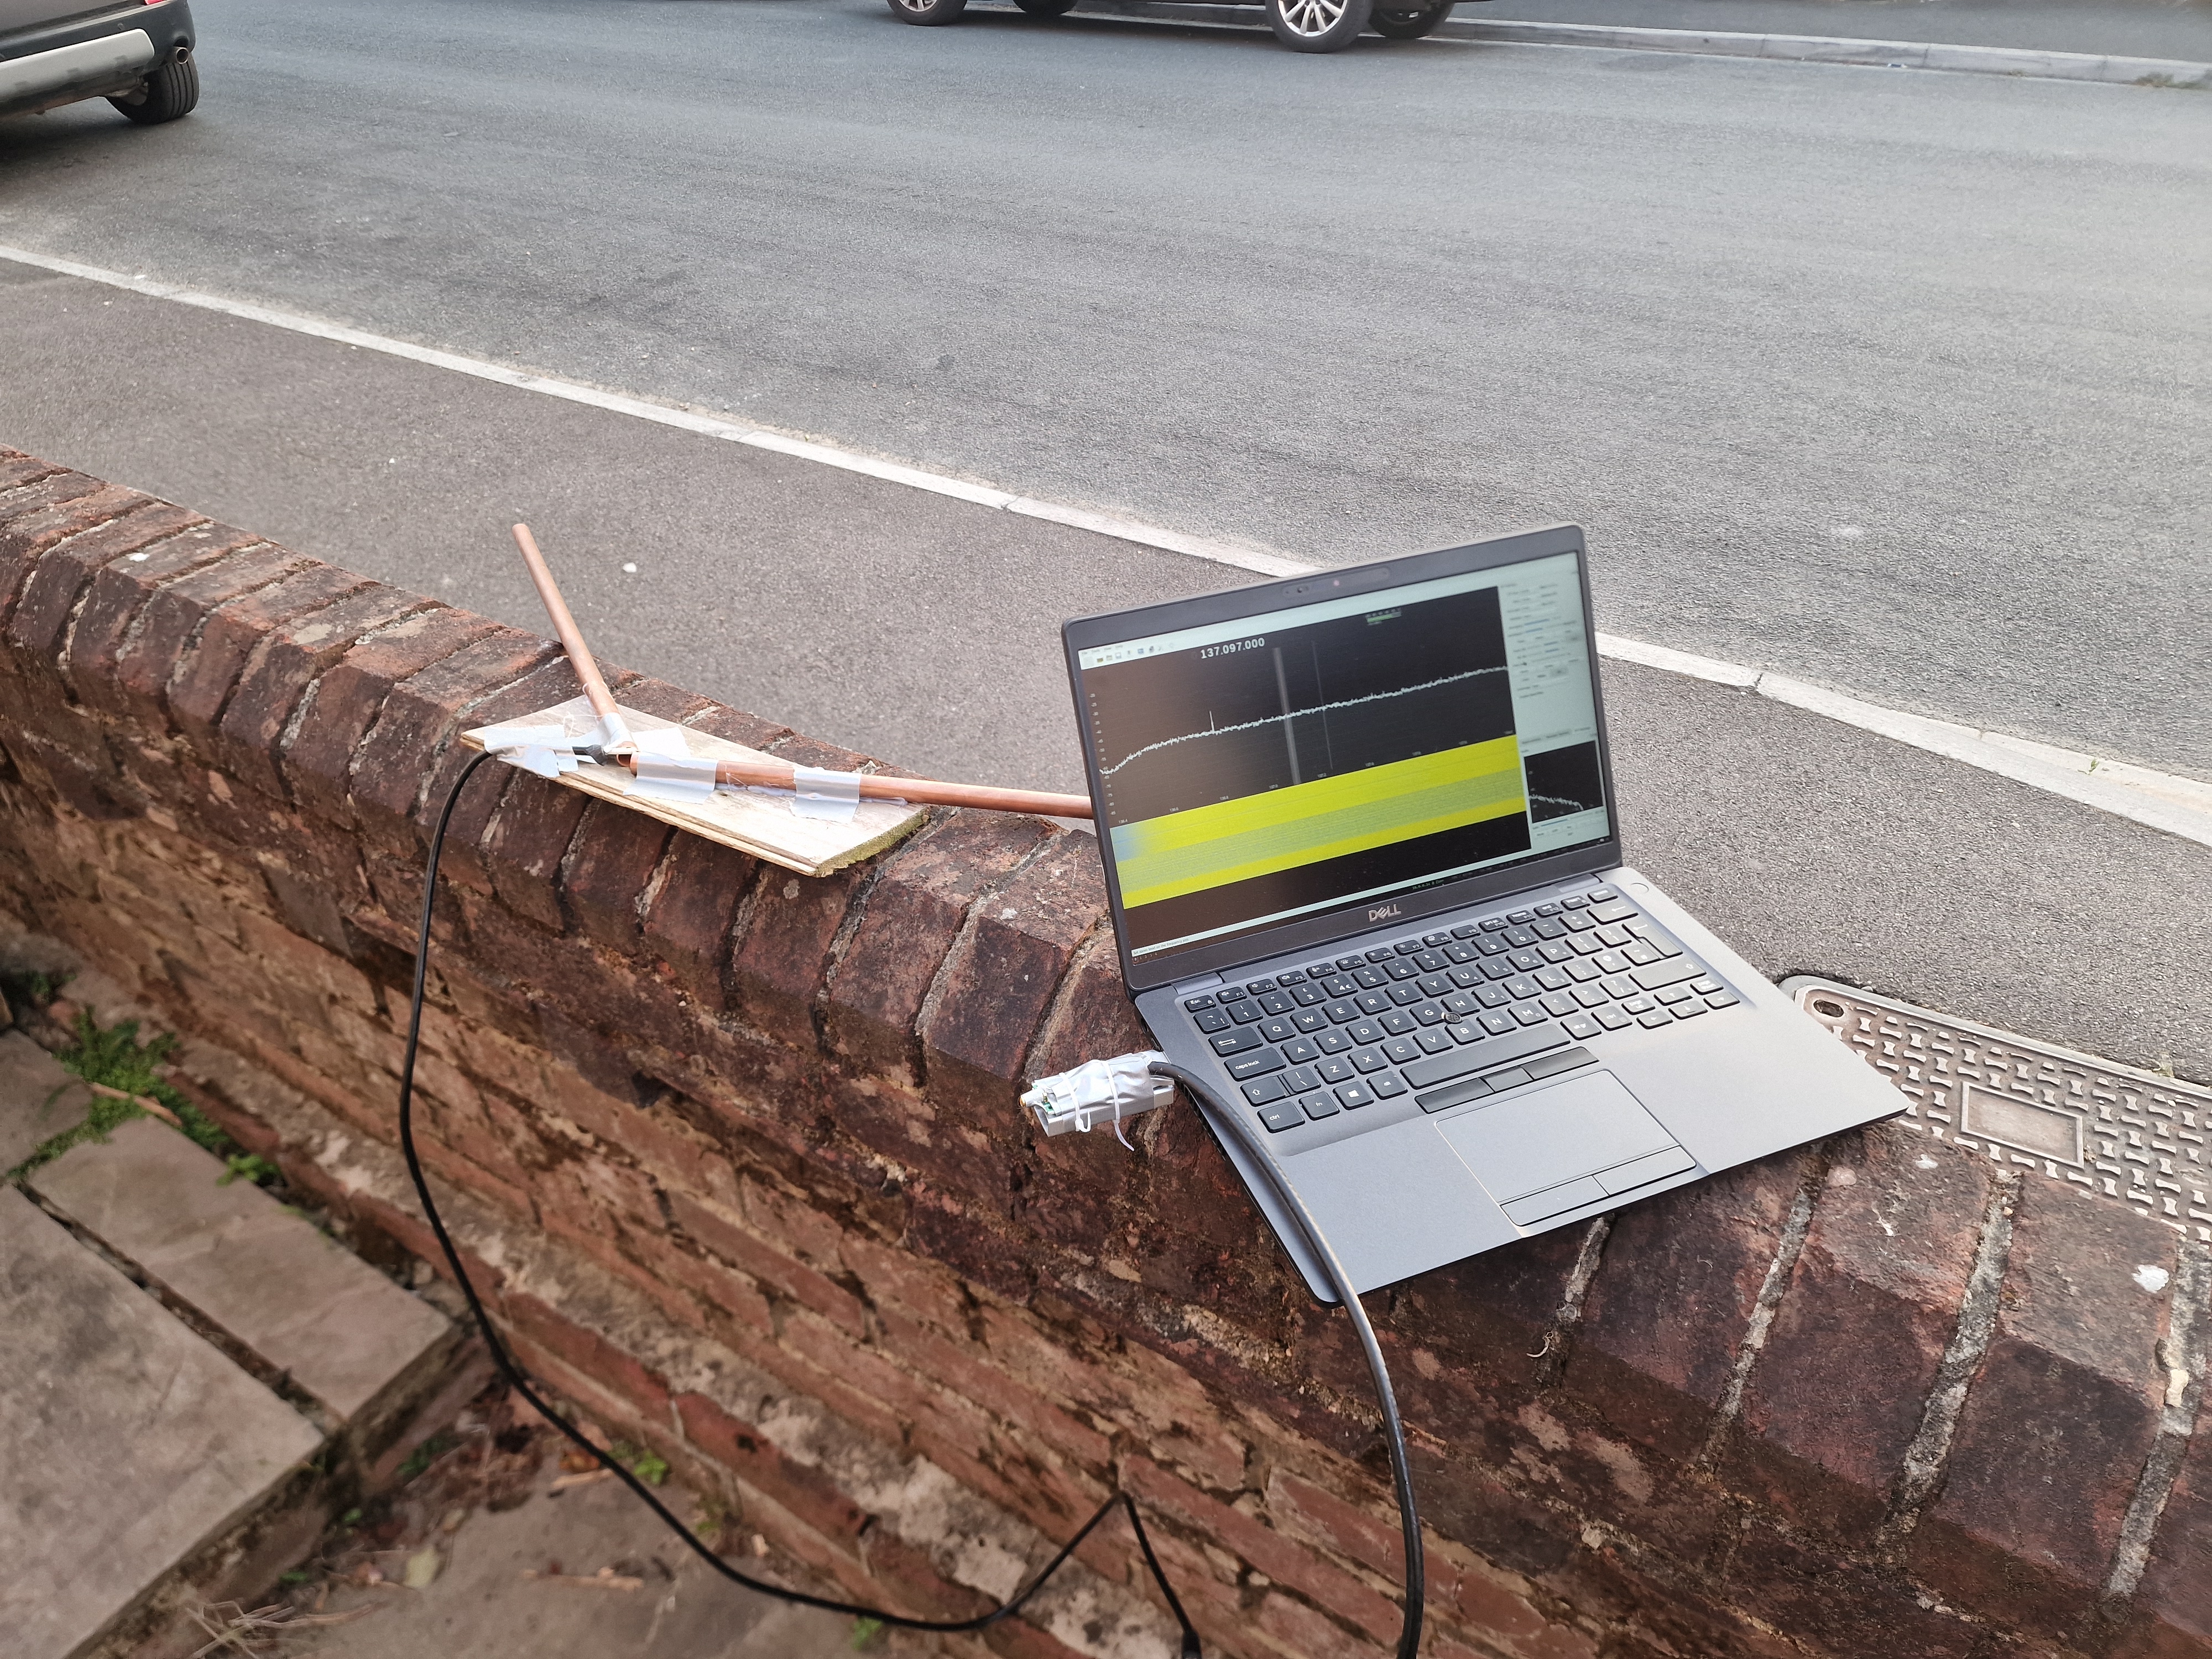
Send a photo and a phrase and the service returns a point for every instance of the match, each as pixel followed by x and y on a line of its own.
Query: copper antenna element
pixel 613 730
pixel 766 772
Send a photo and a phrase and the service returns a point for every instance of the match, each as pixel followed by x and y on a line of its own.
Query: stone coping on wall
pixel 738 1156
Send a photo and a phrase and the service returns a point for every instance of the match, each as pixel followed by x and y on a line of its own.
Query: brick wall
pixel 737 1156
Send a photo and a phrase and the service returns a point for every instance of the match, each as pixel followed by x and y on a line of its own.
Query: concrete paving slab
pixel 38 1099
pixel 301 1302
pixel 480 1604
pixel 127 1442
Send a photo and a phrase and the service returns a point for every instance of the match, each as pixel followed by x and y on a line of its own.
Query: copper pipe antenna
pixel 766 772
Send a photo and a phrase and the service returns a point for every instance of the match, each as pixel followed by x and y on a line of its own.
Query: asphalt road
pixel 1893 382
pixel 1811 847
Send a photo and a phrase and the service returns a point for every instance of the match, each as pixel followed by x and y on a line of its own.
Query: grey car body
pixel 59 52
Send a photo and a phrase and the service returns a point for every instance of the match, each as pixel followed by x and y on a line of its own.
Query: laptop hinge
pixel 1204 982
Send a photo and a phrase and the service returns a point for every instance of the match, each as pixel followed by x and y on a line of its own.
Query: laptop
pixel 1364 858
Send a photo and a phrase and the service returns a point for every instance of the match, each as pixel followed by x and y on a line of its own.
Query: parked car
pixel 1301 25
pixel 137 56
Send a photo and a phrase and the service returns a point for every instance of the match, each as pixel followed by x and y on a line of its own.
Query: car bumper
pixel 91 56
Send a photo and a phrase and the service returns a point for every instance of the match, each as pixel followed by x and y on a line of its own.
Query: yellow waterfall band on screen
pixel 1183 853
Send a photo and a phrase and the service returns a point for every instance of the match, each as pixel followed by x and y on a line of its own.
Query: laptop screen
pixel 1271 769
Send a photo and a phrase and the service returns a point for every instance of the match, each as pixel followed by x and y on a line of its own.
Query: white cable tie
pixel 819 794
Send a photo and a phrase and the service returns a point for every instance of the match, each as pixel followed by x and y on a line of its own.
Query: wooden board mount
pixel 758 822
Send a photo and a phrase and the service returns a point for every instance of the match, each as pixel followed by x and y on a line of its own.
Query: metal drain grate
pixel 2128 1135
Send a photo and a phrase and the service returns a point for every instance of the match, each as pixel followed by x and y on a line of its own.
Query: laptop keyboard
pixel 1451 1015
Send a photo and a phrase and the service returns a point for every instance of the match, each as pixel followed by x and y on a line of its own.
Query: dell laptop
pixel 1364 858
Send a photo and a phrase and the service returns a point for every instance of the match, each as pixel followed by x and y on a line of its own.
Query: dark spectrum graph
pixel 1564 781
pixel 1244 716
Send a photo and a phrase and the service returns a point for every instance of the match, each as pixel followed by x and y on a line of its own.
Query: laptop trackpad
pixel 1544 1137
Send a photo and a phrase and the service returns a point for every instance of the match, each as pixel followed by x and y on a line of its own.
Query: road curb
pixel 1707 43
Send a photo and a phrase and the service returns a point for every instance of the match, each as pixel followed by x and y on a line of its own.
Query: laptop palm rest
pixel 1555 1149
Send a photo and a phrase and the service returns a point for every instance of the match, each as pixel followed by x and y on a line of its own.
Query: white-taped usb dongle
pixel 1099 1091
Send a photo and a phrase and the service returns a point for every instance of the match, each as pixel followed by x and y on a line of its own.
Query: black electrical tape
pixel 521 1384
pixel 1228 1123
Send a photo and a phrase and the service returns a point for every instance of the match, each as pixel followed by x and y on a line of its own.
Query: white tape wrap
pixel 538 758
pixel 497 738
pixel 673 777
pixel 820 794
pixel 1099 1091
pixel 614 731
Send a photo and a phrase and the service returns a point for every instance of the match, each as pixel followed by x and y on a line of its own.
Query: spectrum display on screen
pixel 1335 753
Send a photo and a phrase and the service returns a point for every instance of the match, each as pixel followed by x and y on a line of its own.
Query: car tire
pixel 1318 25
pixel 1045 8
pixel 1404 23
pixel 170 91
pixel 928 13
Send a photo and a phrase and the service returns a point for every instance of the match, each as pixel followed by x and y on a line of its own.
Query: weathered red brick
pixel 526 841
pixel 17 469
pixel 1281 1558
pixel 749 1454
pixel 687 921
pixel 735 725
pixel 1838 1390
pixel 650 696
pixel 2172 1611
pixel 1657 1341
pixel 2059 1420
pixel 55 585
pixel 39 487
pixel 392 762
pixel 588 1352
pixel 726 1237
pixel 1794 1586
pixel 914 911
pixel 1094 1016
pixel 780 964
pixel 290 658
pixel 552 681
pixel 1483 1326
pixel 35 518
pixel 994 988
pixel 172 617
pixel 609 867
pixel 209 671
pixel 317 765
pixel 118 598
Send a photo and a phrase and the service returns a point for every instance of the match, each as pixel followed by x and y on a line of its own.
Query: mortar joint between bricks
pixel 306 702
pixel 1551 1353
pixel 840 941
pixel 141 618
pixel 1920 1475
pixel 455 724
pixel 741 924
pixel 960 941
pixel 1048 1028
pixel 66 640
pixel 285 572
pixel 2181 1356
pixel 1812 1176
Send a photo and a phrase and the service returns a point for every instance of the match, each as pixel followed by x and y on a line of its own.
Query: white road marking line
pixel 2178 805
